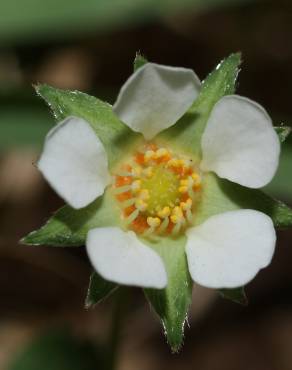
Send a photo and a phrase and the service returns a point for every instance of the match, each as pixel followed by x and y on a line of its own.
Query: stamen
pixel 176 229
pixel 197 178
pixel 128 202
pixel 136 185
pixel 157 191
pixel 132 216
pixel 183 189
pixel 124 174
pixel 136 171
pixel 122 189
pixel 165 212
pixel 186 206
pixel 164 225
pixel 161 152
pixel 149 155
pixel 189 216
pixel 153 222
pixel 140 204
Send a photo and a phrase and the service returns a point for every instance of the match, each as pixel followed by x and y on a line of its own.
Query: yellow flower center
pixel 157 191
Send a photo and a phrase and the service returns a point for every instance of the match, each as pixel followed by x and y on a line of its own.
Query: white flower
pixel 238 144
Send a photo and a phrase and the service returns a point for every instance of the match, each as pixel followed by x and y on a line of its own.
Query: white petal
pixel 155 97
pixel 229 249
pixel 121 257
pixel 240 143
pixel 74 162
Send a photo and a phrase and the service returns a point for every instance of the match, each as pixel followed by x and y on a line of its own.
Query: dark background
pixel 90 46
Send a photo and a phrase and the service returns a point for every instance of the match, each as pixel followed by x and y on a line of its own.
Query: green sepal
pixel 219 196
pixel 98 290
pixel 115 135
pixel 68 227
pixel 187 132
pixel 139 61
pixel 283 132
pixel 236 295
pixel 172 303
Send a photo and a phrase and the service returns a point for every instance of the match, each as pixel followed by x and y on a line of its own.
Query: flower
pixel 157 187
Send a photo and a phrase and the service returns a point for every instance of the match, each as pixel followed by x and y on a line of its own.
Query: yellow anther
pixel 184 182
pixel 141 205
pixel 136 171
pixel 162 152
pixel 149 154
pixel 153 221
pixel 144 194
pixel 136 185
pixel 186 205
pixel 174 219
pixel 187 163
pixel 183 205
pixel 165 212
pixel 177 211
pixel 148 172
pixel 174 162
pixel 183 189
pixel 197 178
pixel 177 215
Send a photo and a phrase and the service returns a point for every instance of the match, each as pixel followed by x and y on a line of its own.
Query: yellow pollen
pixel 197 178
pixel 184 182
pixel 177 211
pixel 153 221
pixel 183 189
pixel 140 204
pixel 186 205
pixel 149 154
pixel 162 152
pixel 174 162
pixel 177 215
pixel 165 212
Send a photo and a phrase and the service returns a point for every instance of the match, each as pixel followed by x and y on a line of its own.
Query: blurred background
pixel 89 45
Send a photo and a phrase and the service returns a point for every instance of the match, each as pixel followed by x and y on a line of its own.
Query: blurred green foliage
pixel 33 19
pixel 23 128
pixel 281 186
pixel 57 350
pixel 24 121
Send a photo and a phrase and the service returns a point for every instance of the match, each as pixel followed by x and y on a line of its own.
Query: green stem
pixel 118 316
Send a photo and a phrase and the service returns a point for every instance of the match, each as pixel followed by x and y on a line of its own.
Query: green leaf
pixel 115 136
pixel 219 195
pixel 283 132
pixel 57 350
pixel 172 303
pixel 187 132
pixel 98 290
pixel 69 227
pixel 139 61
pixel 236 295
